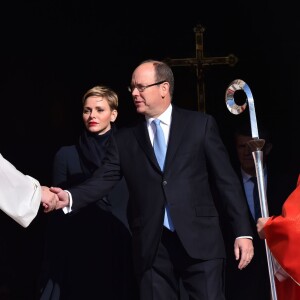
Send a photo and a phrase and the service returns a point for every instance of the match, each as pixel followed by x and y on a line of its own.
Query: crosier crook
pixel 256 144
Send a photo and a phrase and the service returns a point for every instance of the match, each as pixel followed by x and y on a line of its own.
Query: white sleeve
pixel 20 195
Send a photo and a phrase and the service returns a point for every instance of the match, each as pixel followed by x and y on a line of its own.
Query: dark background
pixel 53 51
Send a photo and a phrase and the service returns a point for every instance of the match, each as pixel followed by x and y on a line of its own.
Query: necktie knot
pixel 157 122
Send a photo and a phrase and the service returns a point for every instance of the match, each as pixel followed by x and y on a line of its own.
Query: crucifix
pixel 199 63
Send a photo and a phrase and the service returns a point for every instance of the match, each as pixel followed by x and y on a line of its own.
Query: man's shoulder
pixel 188 113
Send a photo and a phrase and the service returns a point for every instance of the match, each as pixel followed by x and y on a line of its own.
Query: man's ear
pixel 164 89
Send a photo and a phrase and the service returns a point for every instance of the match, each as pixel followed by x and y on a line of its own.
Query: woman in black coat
pixel 88 253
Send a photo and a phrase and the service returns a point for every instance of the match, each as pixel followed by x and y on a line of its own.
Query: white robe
pixel 20 195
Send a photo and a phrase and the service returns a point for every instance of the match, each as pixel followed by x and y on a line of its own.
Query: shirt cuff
pixel 245 237
pixel 68 209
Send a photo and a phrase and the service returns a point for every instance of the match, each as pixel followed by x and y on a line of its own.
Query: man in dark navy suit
pixel 192 247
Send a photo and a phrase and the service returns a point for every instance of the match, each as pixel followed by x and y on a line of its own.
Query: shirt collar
pixel 247 177
pixel 165 117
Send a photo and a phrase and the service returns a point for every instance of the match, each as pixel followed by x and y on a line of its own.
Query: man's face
pixel 152 100
pixel 244 153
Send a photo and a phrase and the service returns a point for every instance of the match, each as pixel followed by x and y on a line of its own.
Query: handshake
pixel 54 198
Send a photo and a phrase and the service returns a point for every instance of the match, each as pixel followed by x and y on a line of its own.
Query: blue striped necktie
pixel 160 149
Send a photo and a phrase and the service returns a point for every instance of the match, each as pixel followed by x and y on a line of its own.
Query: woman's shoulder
pixel 66 151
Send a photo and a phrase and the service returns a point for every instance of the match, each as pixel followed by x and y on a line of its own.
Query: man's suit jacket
pixel 195 157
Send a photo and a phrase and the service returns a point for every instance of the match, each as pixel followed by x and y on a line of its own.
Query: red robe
pixel 283 239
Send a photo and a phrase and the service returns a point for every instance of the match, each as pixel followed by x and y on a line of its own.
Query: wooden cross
pixel 200 62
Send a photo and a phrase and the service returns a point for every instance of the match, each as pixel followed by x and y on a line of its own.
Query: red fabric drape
pixel 283 239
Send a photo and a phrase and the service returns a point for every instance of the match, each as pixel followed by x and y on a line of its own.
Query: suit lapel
pixel 178 128
pixel 176 136
pixel 141 133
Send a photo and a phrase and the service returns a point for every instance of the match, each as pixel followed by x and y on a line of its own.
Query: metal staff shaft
pixel 256 145
pixel 258 159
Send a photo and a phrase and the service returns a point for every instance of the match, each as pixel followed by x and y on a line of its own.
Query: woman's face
pixel 97 115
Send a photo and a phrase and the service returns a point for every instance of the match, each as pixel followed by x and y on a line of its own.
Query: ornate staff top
pixel 255 145
pixel 238 84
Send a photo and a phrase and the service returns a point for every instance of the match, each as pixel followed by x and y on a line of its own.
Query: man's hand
pixel 243 250
pixel 49 199
pixel 63 197
pixel 260 227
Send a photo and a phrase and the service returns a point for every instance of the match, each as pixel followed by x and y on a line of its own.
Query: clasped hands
pixel 53 198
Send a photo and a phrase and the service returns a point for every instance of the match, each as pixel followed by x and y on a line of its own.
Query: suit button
pixel 164 182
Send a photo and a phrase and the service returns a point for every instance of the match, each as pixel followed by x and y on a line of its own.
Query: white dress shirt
pixel 165 122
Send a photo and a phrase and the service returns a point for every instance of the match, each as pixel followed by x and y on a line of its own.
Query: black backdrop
pixel 52 52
